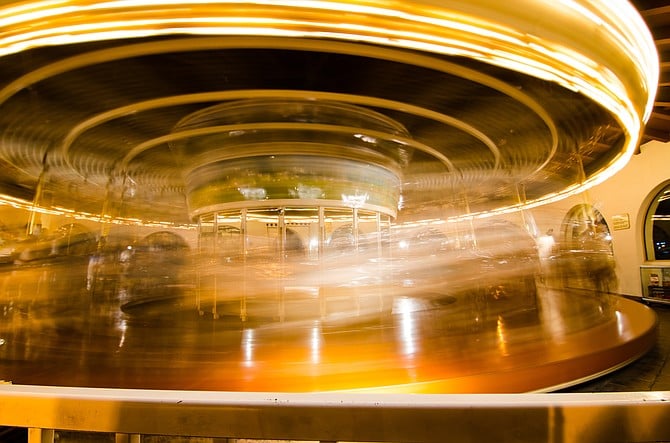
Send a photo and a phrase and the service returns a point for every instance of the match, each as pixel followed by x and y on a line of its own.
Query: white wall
pixel 628 192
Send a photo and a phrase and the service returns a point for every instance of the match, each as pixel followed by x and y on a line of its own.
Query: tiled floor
pixel 651 372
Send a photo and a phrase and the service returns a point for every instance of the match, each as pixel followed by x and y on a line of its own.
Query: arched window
pixel 585 229
pixel 587 247
pixel 657 226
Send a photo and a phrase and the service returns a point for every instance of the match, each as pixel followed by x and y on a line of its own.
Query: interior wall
pixel 627 193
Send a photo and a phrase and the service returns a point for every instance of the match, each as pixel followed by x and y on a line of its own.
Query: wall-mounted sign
pixel 620 221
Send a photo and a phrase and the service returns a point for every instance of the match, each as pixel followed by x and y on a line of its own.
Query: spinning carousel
pixel 312 196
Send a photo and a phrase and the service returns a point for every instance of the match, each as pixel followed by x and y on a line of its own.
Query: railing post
pixel 37 435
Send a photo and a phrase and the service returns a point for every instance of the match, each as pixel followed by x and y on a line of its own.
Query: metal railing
pixel 131 414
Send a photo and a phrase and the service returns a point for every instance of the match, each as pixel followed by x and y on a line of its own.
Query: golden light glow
pixel 608 56
pixel 444 29
pixel 324 209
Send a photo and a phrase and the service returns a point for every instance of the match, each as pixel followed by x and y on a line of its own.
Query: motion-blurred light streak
pixel 314 195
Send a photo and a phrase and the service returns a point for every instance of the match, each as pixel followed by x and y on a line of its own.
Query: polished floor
pixel 57 331
pixel 444 344
pixel 651 372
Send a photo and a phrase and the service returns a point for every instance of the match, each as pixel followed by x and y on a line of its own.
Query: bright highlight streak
pixel 577 62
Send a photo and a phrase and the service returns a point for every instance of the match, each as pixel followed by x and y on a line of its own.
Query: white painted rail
pixel 558 417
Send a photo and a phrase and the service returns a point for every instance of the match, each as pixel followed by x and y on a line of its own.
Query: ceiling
pixel 657 15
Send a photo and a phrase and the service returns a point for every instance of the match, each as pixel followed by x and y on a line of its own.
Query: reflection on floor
pixel 651 372
pixel 56 332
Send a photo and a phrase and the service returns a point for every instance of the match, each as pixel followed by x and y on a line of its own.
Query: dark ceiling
pixel 657 15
